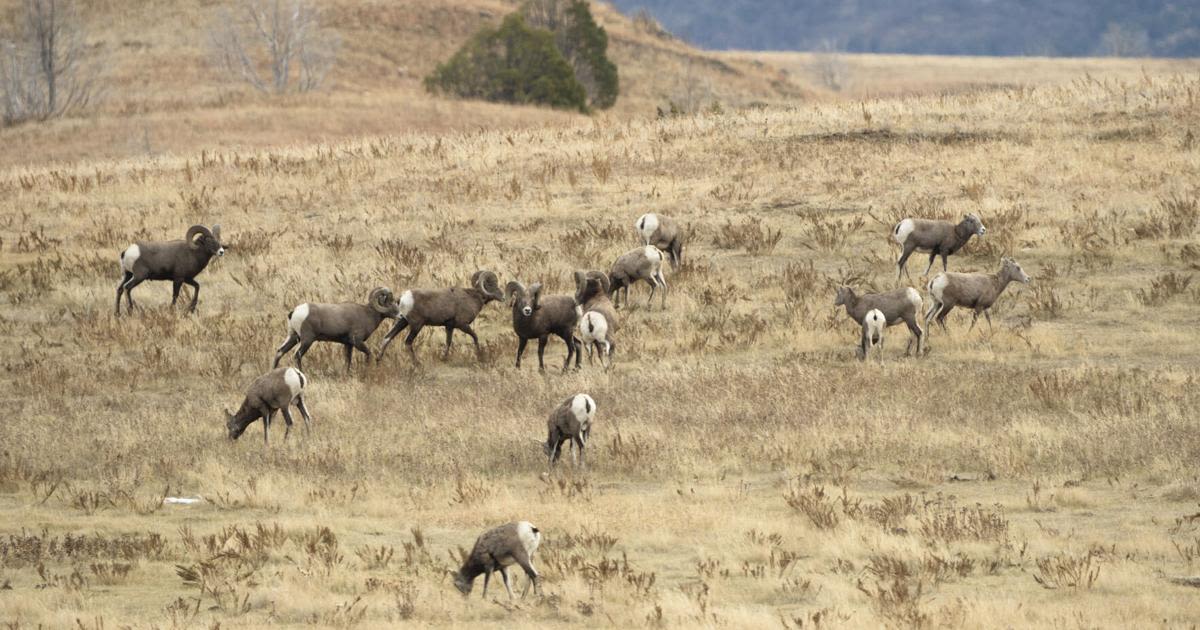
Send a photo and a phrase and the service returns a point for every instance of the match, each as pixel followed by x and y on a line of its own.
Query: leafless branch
pixel 273 45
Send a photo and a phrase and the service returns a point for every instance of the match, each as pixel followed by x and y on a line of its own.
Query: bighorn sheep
pixel 872 333
pixel 939 238
pixel 453 309
pixel 177 261
pixel 274 391
pixel 899 305
pixel 571 421
pixel 663 233
pixel 976 291
pixel 347 323
pixel 535 317
pixel 496 550
pixel 599 323
pixel 643 263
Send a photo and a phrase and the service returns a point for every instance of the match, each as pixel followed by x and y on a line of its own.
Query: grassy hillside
pixel 745 469
pixel 163 96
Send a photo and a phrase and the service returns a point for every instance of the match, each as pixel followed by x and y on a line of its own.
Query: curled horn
pixel 605 283
pixel 512 289
pixel 194 230
pixel 580 285
pixel 535 292
pixel 381 299
pixel 488 283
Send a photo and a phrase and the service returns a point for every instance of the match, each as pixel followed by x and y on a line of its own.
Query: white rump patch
pixel 584 409
pixel 131 255
pixel 592 327
pixel 529 536
pixel 406 303
pixel 652 254
pixel 914 297
pixel 295 381
pixel 937 285
pixel 298 316
pixel 903 229
pixel 875 323
pixel 647 225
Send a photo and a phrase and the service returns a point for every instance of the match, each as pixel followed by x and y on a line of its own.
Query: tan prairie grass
pixel 745 469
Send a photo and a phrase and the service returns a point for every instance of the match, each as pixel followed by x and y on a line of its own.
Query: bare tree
pixel 46 69
pixel 274 45
pixel 829 63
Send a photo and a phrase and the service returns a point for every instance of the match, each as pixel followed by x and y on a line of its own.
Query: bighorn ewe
pixel 177 261
pixel 899 305
pixel 347 323
pixel 274 391
pixel 939 238
pixel 872 333
pixel 599 322
pixel 643 263
pixel 570 422
pixel 453 309
pixel 535 317
pixel 496 550
pixel 663 233
pixel 976 291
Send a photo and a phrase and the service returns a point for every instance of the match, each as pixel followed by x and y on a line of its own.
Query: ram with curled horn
pixel 346 323
pixel 537 317
pixel 179 261
pixel 453 309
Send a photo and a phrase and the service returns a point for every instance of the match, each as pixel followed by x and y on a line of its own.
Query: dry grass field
pixel 745 471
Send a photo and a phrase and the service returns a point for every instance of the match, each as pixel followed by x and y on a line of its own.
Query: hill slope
pixel 937 27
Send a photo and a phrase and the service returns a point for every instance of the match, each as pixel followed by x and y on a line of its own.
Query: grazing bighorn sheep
pixel 496 550
pixel 872 333
pixel 177 261
pixel 939 238
pixel 643 263
pixel 535 317
pixel 571 421
pixel 899 305
pixel 663 233
pixel 347 323
pixel 976 291
pixel 274 391
pixel 599 323
pixel 453 309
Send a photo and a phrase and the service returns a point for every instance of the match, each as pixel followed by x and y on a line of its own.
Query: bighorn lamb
pixel 177 261
pixel 535 317
pixel 570 422
pixel 643 263
pixel 347 323
pixel 496 550
pixel 976 291
pixel 599 323
pixel 663 233
pixel 899 305
pixel 939 238
pixel 274 391
pixel 872 333
pixel 452 309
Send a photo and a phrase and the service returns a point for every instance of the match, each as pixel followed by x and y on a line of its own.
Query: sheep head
pixel 462 583
pixel 488 284
pixel 844 295
pixel 589 284
pixel 209 241
pixel 384 303
pixel 1011 270
pixel 523 300
pixel 973 225
pixel 234 427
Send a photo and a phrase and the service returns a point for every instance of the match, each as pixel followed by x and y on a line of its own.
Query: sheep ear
pixel 604 281
pixel 513 289
pixel 216 231
pixel 535 292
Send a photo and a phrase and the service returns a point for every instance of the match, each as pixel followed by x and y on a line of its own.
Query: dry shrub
pixel 1068 571
pixel 751 235
pixel 829 234
pixel 1003 233
pixel 1163 288
pixel 1175 217
pixel 942 521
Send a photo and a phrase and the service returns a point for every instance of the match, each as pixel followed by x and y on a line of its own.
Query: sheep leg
pixel 133 282
pixel 941 318
pixel 348 351
pixel 304 414
pixel 580 460
pixel 932 257
pixel 542 352
pixel 401 322
pixel 361 347
pixel 609 348
pixel 526 563
pixel 653 285
pixel 520 350
pixel 175 286
pixel 287 422
pixel 944 267
pixel 305 344
pixel 574 348
pixel 408 343
pixel 662 282
pixel 487 577
pixel 863 346
pixel 266 416
pixel 915 329
pixel 195 294
pixel 974 318
pixel 988 316
pixel 901 267
pixel 121 288
pixel 288 344
pixel 449 338
pixel 504 577
pixel 474 339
